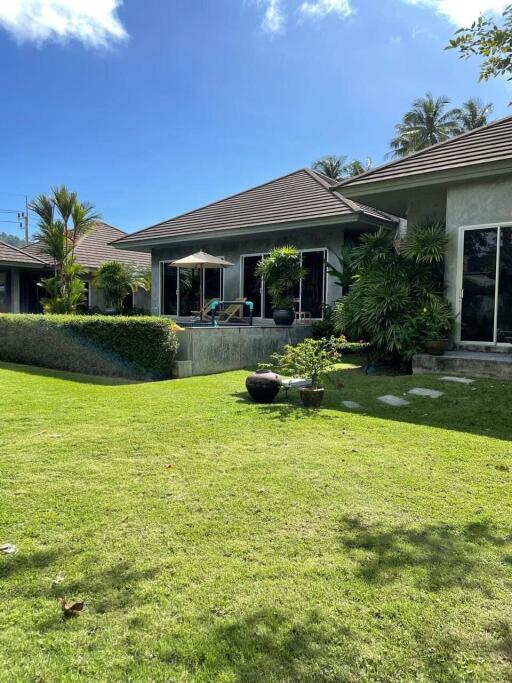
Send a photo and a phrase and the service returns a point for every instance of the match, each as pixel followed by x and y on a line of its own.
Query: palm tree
pixel 429 121
pixel 337 168
pixel 117 280
pixel 63 221
pixel 331 166
pixel 474 113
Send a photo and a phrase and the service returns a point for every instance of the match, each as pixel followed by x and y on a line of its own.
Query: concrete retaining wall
pixel 206 350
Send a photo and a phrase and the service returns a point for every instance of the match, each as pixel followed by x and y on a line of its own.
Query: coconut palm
pixel 63 221
pixel 331 166
pixel 429 121
pixel 474 113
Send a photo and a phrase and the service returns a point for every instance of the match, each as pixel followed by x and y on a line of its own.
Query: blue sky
pixel 152 108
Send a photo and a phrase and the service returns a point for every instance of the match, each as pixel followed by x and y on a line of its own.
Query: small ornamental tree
pixel 117 280
pixel 311 359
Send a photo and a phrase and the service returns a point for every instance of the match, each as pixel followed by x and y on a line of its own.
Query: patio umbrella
pixel 201 260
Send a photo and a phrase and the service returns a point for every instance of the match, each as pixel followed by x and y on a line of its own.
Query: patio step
pixel 468 363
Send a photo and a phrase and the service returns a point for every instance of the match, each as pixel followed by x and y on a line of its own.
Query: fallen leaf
pixel 169 466
pixel 40 433
pixel 54 436
pixel 8 548
pixel 70 608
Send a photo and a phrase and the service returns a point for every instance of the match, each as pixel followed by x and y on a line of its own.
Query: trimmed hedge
pixel 134 347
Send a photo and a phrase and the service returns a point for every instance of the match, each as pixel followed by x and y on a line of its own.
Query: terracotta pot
pixel 283 316
pixel 311 398
pixel 437 346
pixel 263 386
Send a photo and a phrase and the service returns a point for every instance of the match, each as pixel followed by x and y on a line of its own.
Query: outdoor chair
pixel 235 310
pixel 205 311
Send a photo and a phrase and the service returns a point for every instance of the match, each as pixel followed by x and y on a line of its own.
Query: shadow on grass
pixel 68 376
pixel 444 555
pixel 482 408
pixel 11 565
pixel 263 646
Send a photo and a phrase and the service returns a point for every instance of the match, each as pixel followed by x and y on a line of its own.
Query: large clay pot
pixel 263 386
pixel 311 398
pixel 283 316
pixel 437 346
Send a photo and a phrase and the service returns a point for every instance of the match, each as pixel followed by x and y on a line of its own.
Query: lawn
pixel 214 540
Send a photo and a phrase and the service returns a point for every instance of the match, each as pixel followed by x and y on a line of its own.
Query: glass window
pixel 479 285
pixel 5 298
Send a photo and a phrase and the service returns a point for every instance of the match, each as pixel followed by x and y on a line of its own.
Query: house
pixel 303 208
pixel 466 184
pixel 22 269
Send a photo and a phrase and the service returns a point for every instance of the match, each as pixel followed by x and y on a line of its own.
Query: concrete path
pixel 352 405
pixel 394 401
pixel 458 380
pixel 427 393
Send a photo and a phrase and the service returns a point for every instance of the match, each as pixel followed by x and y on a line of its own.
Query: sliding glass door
pixel 180 289
pixel 309 296
pixel 486 292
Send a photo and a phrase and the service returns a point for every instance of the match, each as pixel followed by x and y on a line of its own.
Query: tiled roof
pixel 490 143
pixel 95 248
pixel 298 197
pixel 12 254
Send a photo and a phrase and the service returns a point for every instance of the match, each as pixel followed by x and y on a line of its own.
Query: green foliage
pixel 282 272
pixel 322 329
pixel 474 113
pixel 428 122
pixel 117 280
pixel 396 300
pixel 63 221
pixel 486 39
pixel 311 359
pixel 343 271
pixel 337 167
pixel 139 347
pixel 13 240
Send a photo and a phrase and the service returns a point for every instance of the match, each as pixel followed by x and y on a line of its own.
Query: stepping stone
pixel 352 405
pixel 428 393
pixel 394 401
pixel 459 380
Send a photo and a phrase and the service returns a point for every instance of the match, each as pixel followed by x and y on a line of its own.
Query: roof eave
pixel 471 172
pixel 145 244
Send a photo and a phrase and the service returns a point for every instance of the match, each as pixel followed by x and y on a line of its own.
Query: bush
pixel 134 347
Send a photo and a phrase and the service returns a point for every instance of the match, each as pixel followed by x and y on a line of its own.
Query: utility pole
pixel 21 218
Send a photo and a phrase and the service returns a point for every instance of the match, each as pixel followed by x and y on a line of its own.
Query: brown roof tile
pixel 487 144
pixel 11 254
pixel 300 196
pixel 95 248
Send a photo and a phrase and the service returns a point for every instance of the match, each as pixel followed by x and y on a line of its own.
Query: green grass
pixel 283 545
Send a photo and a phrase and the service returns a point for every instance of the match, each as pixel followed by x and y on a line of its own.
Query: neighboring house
pixel 22 269
pixel 303 209
pixel 465 183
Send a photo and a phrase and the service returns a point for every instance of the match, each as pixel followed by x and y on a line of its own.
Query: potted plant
pixel 282 271
pixel 310 360
pixel 434 326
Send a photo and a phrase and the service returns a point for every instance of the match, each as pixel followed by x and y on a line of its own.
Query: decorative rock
pixel 352 405
pixel 427 393
pixel 459 380
pixel 394 401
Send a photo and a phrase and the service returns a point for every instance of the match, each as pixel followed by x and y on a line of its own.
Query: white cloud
pixel 320 8
pixel 92 22
pixel 462 12
pixel 274 19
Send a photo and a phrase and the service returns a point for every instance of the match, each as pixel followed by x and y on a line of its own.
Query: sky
pixel 152 108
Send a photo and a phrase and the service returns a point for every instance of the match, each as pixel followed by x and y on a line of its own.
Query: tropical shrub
pixel 135 347
pixel 117 280
pixel 282 271
pixel 396 300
